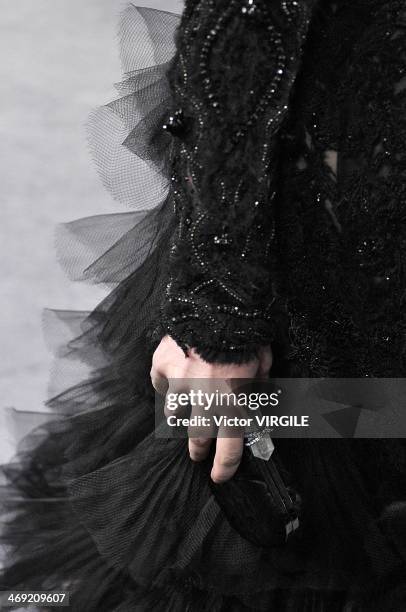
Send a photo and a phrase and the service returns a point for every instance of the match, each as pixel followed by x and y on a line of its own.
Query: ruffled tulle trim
pixel 96 505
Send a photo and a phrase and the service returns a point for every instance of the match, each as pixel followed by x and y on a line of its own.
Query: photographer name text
pixel 235 421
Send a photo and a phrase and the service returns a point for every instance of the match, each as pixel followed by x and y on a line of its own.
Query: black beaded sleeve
pixel 231 79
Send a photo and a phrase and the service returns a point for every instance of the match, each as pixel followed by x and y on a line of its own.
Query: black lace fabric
pixel 93 502
pixel 341 227
pixel 232 77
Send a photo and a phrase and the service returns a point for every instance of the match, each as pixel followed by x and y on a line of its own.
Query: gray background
pixel 58 60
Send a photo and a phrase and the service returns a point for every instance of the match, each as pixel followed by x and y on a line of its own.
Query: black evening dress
pixel 260 147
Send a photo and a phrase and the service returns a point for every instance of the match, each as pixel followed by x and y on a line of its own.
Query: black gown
pixel 261 146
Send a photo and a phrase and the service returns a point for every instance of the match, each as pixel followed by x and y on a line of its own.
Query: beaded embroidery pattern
pixel 309 206
pixel 232 77
pixel 341 227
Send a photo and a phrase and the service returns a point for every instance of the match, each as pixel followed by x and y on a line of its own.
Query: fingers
pixel 265 361
pixel 200 436
pixel 227 459
pixel 176 403
pixel 159 382
pixel 199 448
pixel 171 373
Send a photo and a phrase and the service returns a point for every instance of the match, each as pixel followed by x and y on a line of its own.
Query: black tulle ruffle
pixel 93 502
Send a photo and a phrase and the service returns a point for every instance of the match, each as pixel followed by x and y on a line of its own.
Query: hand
pixel 169 362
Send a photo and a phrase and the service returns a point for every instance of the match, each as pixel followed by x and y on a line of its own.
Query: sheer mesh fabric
pixel 95 504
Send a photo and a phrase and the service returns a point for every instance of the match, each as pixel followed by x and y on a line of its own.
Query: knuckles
pixel 228 461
